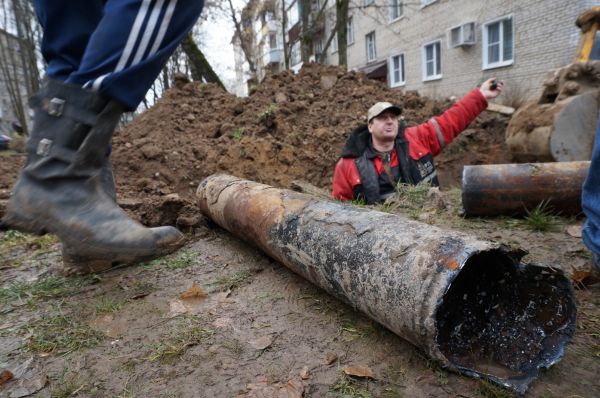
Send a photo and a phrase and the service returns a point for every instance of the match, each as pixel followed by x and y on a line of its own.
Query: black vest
pixel 375 189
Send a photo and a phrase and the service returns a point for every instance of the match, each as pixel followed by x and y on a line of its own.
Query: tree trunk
pixel 245 41
pixel 286 51
pixel 341 8
pixel 201 69
pixel 306 37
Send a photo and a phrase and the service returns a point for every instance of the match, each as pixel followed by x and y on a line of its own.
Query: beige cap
pixel 381 107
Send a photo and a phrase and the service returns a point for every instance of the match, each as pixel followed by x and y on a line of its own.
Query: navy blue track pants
pixel 590 201
pixel 114 47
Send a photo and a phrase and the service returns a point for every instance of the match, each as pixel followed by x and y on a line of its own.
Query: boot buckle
pixel 56 107
pixel 43 147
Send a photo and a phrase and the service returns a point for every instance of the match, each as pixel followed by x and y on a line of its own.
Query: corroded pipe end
pixel 503 320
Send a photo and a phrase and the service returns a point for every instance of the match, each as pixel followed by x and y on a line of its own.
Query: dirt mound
pixel 292 127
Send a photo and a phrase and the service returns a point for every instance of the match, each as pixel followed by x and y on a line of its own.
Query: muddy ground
pixel 261 331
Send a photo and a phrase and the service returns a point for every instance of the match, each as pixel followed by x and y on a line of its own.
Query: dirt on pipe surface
pixel 468 303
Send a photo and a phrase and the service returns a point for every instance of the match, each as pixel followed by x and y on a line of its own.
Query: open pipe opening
pixel 505 320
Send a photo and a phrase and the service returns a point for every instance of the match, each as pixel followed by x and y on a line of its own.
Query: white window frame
pixel 398 6
pixel 350 31
pixel 425 3
pixel 485 43
pixel 435 76
pixel 402 71
pixel 374 58
pixel 295 56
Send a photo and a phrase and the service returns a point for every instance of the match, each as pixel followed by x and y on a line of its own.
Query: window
pixel 272 40
pixel 319 47
pixel 333 43
pixel 293 14
pixel 295 54
pixel 350 34
pixel 432 61
pixel 371 51
pixel 395 9
pixel 498 43
pixel 396 68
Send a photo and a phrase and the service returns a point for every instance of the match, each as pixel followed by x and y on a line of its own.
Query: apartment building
pixel 446 47
pixel 439 47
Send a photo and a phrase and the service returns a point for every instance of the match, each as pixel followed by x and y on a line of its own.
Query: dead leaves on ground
pixel 262 389
pixel 360 371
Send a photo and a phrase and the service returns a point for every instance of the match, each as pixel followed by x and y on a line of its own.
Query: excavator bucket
pixel 560 125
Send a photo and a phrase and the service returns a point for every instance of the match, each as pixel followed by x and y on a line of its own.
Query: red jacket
pixel 423 140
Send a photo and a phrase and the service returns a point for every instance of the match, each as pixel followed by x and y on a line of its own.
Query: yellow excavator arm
pixel 589 23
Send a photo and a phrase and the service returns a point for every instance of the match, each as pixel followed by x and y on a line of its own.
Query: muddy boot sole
pixel 78 264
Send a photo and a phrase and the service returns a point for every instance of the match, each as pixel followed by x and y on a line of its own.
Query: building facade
pixel 446 47
pixel 439 47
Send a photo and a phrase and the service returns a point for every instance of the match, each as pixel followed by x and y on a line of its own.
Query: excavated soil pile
pixel 292 127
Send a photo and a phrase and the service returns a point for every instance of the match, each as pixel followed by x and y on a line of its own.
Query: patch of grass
pixel 348 387
pixel 408 199
pixel 542 219
pixel 183 259
pixel 61 334
pixel 108 305
pixel 48 288
pixel 11 239
pixel 126 393
pixel 233 281
pixel 442 377
pixel 351 331
pixel 488 390
pixel 237 133
pixel 267 114
pixel 358 202
pixel 171 347
pixel 74 386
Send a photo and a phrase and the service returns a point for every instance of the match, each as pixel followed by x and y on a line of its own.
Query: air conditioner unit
pixel 462 35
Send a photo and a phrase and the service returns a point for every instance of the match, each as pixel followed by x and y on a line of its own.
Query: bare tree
pixel 199 65
pixel 339 32
pixel 18 55
pixel 341 12
pixel 243 31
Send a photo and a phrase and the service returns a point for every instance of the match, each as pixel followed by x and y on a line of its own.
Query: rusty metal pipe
pixel 466 302
pixel 515 189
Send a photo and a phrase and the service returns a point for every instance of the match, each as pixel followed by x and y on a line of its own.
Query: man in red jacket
pixel 383 153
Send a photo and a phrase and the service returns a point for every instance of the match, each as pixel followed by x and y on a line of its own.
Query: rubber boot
pixel 60 189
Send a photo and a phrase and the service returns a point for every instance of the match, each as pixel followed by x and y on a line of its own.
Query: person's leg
pixel 590 202
pixel 60 189
pixel 67 26
pixel 131 44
